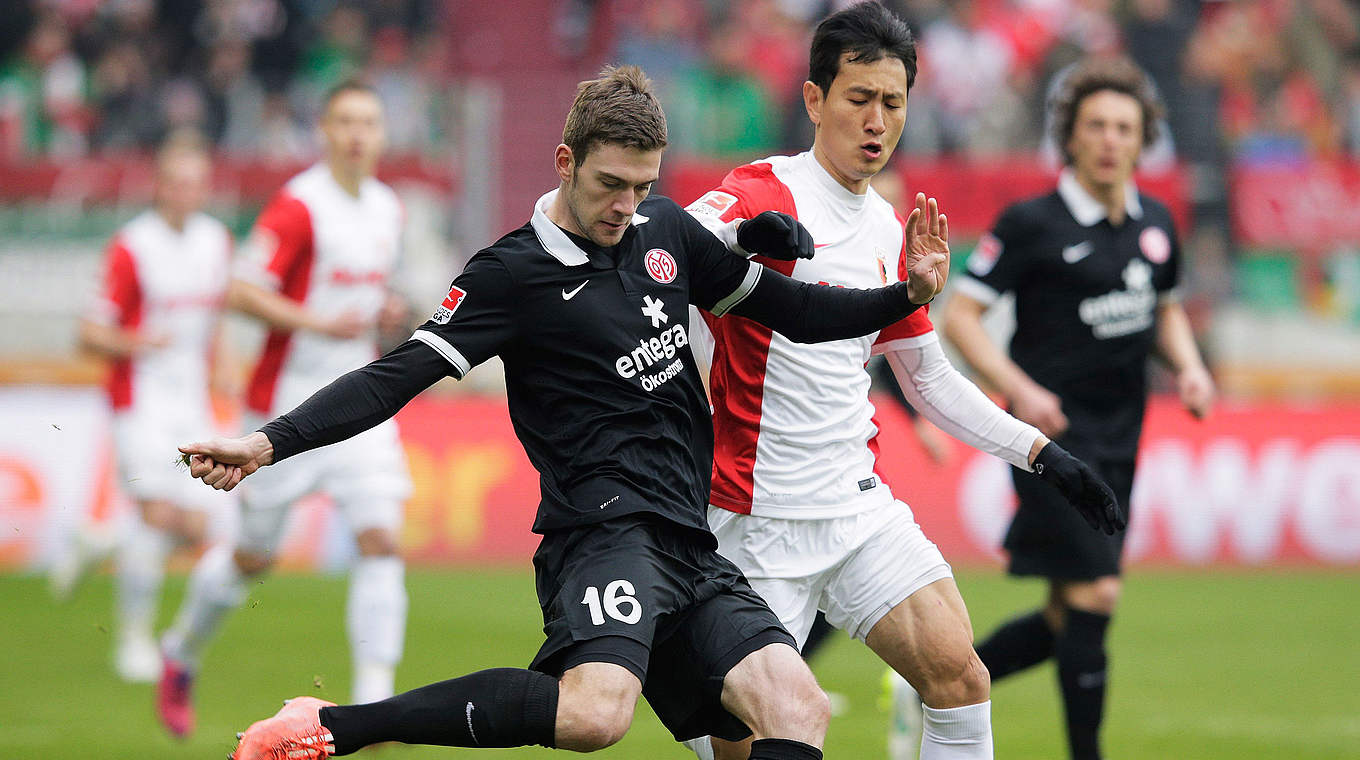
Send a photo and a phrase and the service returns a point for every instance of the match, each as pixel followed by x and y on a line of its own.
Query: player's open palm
pixel 927 250
pixel 223 462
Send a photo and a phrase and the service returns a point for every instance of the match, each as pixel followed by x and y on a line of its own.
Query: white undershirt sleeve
pixel 953 403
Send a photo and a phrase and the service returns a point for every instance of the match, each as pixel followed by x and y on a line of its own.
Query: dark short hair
pixel 617 107
pixel 868 32
pixel 1098 75
pixel 351 84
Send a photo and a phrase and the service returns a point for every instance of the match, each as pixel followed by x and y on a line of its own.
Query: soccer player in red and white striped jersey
pixel 797 500
pixel 315 270
pixel 156 321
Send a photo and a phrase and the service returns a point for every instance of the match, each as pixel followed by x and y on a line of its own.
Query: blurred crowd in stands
pixel 84 76
pixel 1244 80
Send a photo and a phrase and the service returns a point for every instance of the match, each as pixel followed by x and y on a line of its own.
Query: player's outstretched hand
pixel 777 235
pixel 1081 486
pixel 223 462
pixel 927 250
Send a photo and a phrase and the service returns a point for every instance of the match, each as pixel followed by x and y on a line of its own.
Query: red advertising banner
pixel 1258 484
pixel 1312 206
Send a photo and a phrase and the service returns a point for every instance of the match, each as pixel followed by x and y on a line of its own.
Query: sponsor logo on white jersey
pixel 713 203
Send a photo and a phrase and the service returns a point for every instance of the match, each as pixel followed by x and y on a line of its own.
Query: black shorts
pixel 1048 537
pixel 657 599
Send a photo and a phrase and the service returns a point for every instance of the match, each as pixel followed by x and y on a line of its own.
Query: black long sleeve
pixel 807 313
pixel 357 400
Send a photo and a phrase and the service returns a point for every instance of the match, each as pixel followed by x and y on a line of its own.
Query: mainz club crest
pixel 660 265
pixel 1154 243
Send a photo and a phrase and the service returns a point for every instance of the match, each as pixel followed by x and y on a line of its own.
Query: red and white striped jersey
pixel 170 284
pixel 334 253
pixel 794 430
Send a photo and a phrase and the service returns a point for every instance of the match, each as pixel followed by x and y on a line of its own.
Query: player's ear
pixel 564 162
pixel 813 98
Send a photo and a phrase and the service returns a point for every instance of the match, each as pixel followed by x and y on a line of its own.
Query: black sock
pixel 1016 645
pixel 783 749
pixel 501 707
pixel 1080 650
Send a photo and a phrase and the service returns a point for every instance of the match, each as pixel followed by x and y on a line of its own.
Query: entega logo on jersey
pixel 650 351
pixel 1122 312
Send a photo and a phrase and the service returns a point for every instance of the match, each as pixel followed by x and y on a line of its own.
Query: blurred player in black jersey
pixel 1094 267
pixel 587 306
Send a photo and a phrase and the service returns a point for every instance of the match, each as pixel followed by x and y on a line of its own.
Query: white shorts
pixel 146 442
pixel 854 568
pixel 364 476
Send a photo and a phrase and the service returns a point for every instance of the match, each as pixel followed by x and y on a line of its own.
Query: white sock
pixel 140 575
pixel 376 619
pixel 701 747
pixel 215 587
pixel 957 733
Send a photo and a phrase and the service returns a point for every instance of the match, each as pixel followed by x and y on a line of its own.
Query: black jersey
pixel 1086 295
pixel 601 385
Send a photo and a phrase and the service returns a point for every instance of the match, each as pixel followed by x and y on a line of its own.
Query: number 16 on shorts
pixel 619 601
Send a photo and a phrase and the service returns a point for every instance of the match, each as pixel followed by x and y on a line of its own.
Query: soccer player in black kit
pixel 587 305
pixel 1094 267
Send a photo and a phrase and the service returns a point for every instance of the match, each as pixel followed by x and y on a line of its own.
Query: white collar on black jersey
pixel 554 240
pixel 1087 210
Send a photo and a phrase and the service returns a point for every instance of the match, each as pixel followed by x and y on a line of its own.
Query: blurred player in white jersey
pixel 797 501
pixel 164 284
pixel 315 270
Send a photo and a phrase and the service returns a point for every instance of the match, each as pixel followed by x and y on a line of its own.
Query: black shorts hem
pixel 627 653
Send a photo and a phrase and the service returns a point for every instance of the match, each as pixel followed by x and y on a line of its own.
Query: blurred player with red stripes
pixel 163 287
pixel 315 271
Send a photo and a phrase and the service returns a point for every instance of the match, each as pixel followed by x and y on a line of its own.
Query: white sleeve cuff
pixel 743 290
pixel 977 290
pixel 444 349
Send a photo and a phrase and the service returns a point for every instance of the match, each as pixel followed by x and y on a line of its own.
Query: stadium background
pixel 1242 605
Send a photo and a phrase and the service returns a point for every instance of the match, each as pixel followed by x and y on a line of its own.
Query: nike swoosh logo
pixel 568 296
pixel 1074 253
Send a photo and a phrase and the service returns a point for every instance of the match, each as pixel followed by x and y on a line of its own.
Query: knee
pixel 377 542
pixel 584 726
pixel 955 680
pixel 251 563
pixel 1100 596
pixel 803 709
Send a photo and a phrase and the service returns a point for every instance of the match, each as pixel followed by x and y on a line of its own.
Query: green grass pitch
pixel 1206 665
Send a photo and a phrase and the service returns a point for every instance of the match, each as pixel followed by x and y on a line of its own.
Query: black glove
pixel 776 235
pixel 1081 486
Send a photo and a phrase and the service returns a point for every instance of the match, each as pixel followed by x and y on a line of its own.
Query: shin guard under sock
pixel 501 707
pixel 1080 651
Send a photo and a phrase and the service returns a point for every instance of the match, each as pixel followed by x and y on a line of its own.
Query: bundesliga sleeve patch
pixel 444 313
pixel 984 256
pixel 713 203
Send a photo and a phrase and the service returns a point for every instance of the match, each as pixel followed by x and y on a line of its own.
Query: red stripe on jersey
pixel 290 223
pixel 917 322
pixel 124 291
pixel 741 350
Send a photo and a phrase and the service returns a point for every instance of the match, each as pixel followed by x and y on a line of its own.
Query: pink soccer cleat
pixel 174 698
pixel 294 733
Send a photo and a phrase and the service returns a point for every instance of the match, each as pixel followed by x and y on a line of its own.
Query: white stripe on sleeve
pixel 444 349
